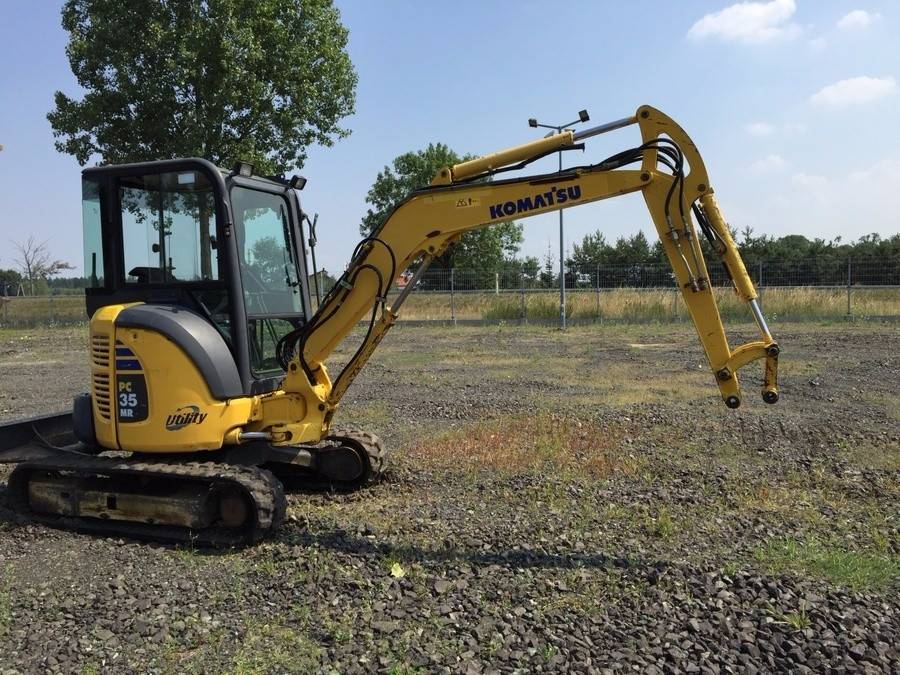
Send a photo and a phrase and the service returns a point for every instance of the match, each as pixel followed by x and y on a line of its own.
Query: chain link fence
pixel 646 292
pixel 812 289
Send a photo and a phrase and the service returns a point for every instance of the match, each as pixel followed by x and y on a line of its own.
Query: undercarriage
pixel 231 497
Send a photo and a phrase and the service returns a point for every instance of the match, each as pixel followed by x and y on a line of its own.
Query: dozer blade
pixel 38 437
pixel 198 503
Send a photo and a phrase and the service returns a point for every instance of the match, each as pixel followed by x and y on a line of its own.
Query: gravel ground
pixel 577 502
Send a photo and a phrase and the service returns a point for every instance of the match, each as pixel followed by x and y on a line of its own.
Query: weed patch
pixel 5 600
pixel 273 648
pixel 522 444
pixel 856 569
pixel 663 525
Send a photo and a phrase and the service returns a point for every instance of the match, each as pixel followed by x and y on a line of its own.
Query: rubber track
pixel 374 451
pixel 264 490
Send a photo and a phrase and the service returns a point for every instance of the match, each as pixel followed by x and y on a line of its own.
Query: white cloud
pixel 818 44
pixel 795 128
pixel 748 22
pixel 768 163
pixel 809 181
pixel 847 203
pixel 858 18
pixel 853 91
pixel 760 129
pixel 812 189
pixel 885 171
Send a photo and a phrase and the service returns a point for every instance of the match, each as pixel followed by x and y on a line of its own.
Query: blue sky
pixel 794 105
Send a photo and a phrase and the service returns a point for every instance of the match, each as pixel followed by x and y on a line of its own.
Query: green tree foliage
pixel 870 248
pixel 9 282
pixel 267 258
pixel 548 276
pixel 791 259
pixel 257 80
pixel 484 249
pixel 10 276
pixel 530 267
pixel 595 250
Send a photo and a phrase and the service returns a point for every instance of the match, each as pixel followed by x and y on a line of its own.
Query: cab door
pixel 274 290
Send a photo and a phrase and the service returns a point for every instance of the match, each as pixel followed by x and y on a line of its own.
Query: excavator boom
pixel 667 169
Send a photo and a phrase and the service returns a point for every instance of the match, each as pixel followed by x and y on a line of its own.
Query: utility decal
pixel 539 201
pixel 189 414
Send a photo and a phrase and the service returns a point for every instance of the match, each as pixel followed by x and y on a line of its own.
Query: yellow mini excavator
pixel 209 384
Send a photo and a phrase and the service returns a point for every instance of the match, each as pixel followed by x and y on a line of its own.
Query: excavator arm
pixel 666 168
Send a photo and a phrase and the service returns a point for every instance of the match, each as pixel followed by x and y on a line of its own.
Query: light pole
pixel 532 122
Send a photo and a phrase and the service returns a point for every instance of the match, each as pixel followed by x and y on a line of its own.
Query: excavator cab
pixel 224 245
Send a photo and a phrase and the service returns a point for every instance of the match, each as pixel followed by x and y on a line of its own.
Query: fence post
pixel 496 283
pixel 452 305
pixel 524 306
pixel 599 313
pixel 849 270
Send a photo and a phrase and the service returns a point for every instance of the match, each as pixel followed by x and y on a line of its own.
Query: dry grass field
pixel 619 305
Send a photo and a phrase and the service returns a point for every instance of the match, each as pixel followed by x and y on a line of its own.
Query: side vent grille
pixel 101 394
pixel 100 357
pixel 100 350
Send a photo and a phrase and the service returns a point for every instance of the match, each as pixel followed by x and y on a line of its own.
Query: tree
pixel 35 262
pixel 547 275
pixel 483 249
pixel 9 282
pixel 256 80
pixel 593 250
pixel 530 267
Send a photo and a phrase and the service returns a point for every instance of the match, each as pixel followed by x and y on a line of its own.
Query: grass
pixel 888 402
pixel 404 669
pixel 521 444
pixel 626 305
pixel 623 305
pixel 796 620
pixel 5 600
pixel 29 312
pixel 273 648
pixel 663 525
pixel 859 570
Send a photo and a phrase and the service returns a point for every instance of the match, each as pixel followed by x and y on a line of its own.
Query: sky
pixel 793 104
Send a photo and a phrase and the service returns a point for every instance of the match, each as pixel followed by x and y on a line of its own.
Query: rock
pixel 386 627
pixel 104 634
pixel 858 650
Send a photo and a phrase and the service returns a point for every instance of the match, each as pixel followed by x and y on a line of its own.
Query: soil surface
pixel 557 502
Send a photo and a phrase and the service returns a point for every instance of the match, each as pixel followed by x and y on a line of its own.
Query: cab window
pixel 269 272
pixel 168 228
pixel 92 230
pixel 268 269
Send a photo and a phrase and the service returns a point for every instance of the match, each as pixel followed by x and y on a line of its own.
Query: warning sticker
pixel 467 202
